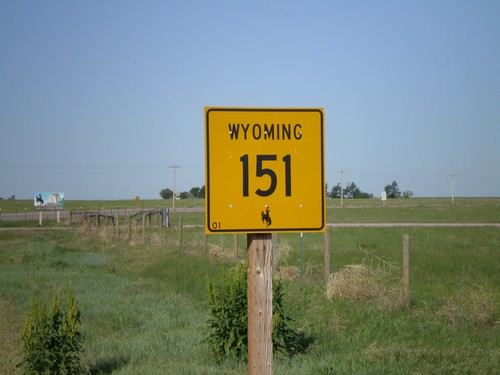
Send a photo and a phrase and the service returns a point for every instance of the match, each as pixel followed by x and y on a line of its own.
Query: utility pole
pixel 452 175
pixel 342 188
pixel 174 167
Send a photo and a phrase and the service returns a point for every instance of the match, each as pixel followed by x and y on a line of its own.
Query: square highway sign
pixel 264 170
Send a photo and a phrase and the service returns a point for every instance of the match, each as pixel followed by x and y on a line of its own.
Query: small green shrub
pixel 228 321
pixel 51 340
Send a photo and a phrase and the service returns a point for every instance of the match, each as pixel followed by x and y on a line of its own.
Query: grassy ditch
pixel 144 306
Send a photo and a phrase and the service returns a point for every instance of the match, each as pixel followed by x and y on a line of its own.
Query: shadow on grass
pixel 107 366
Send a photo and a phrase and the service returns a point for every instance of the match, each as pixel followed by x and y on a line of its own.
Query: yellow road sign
pixel 264 170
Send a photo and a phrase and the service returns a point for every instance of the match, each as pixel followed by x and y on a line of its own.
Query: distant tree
pixel 350 191
pixel 335 193
pixel 195 191
pixel 184 195
pixel 201 193
pixel 407 194
pixel 362 195
pixel 392 190
pixel 166 194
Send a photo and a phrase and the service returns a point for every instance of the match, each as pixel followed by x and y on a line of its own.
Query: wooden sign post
pixel 260 304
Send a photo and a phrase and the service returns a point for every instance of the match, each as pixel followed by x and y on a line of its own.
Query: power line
pixel 342 187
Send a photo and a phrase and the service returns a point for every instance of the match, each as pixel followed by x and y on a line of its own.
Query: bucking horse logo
pixel 39 199
pixel 265 217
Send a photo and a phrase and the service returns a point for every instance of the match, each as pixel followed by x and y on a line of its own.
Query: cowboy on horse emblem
pixel 265 217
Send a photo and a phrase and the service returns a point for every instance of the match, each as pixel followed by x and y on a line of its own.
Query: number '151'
pixel 260 171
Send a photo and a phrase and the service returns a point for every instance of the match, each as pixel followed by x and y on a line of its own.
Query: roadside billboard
pixel 48 201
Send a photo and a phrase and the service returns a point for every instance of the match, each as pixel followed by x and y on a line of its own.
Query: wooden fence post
pixel 129 227
pixel 206 242
pixel 144 227
pixel 117 218
pixel 327 256
pixel 136 236
pixel 180 234
pixel 160 225
pixel 406 271
pixel 260 304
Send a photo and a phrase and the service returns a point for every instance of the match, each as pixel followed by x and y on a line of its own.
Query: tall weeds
pixel 228 322
pixel 51 339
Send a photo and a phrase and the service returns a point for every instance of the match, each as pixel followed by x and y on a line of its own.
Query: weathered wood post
pixel 129 227
pixel 117 218
pixel 160 225
pixel 144 227
pixel 260 304
pixel 406 271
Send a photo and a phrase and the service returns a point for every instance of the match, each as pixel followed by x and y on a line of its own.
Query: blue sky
pixel 99 98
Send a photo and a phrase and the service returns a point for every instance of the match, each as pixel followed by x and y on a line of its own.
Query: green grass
pixel 18 206
pixel 144 307
pixel 415 210
pixel 416 214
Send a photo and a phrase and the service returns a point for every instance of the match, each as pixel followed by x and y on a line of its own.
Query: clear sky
pixel 99 98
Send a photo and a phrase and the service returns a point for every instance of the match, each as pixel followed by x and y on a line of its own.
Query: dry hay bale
pixel 355 282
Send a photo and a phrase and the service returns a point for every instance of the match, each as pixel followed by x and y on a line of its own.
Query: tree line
pixel 195 192
pixel 351 191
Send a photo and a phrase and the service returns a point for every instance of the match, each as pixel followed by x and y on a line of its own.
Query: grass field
pixel 144 306
pixel 12 206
